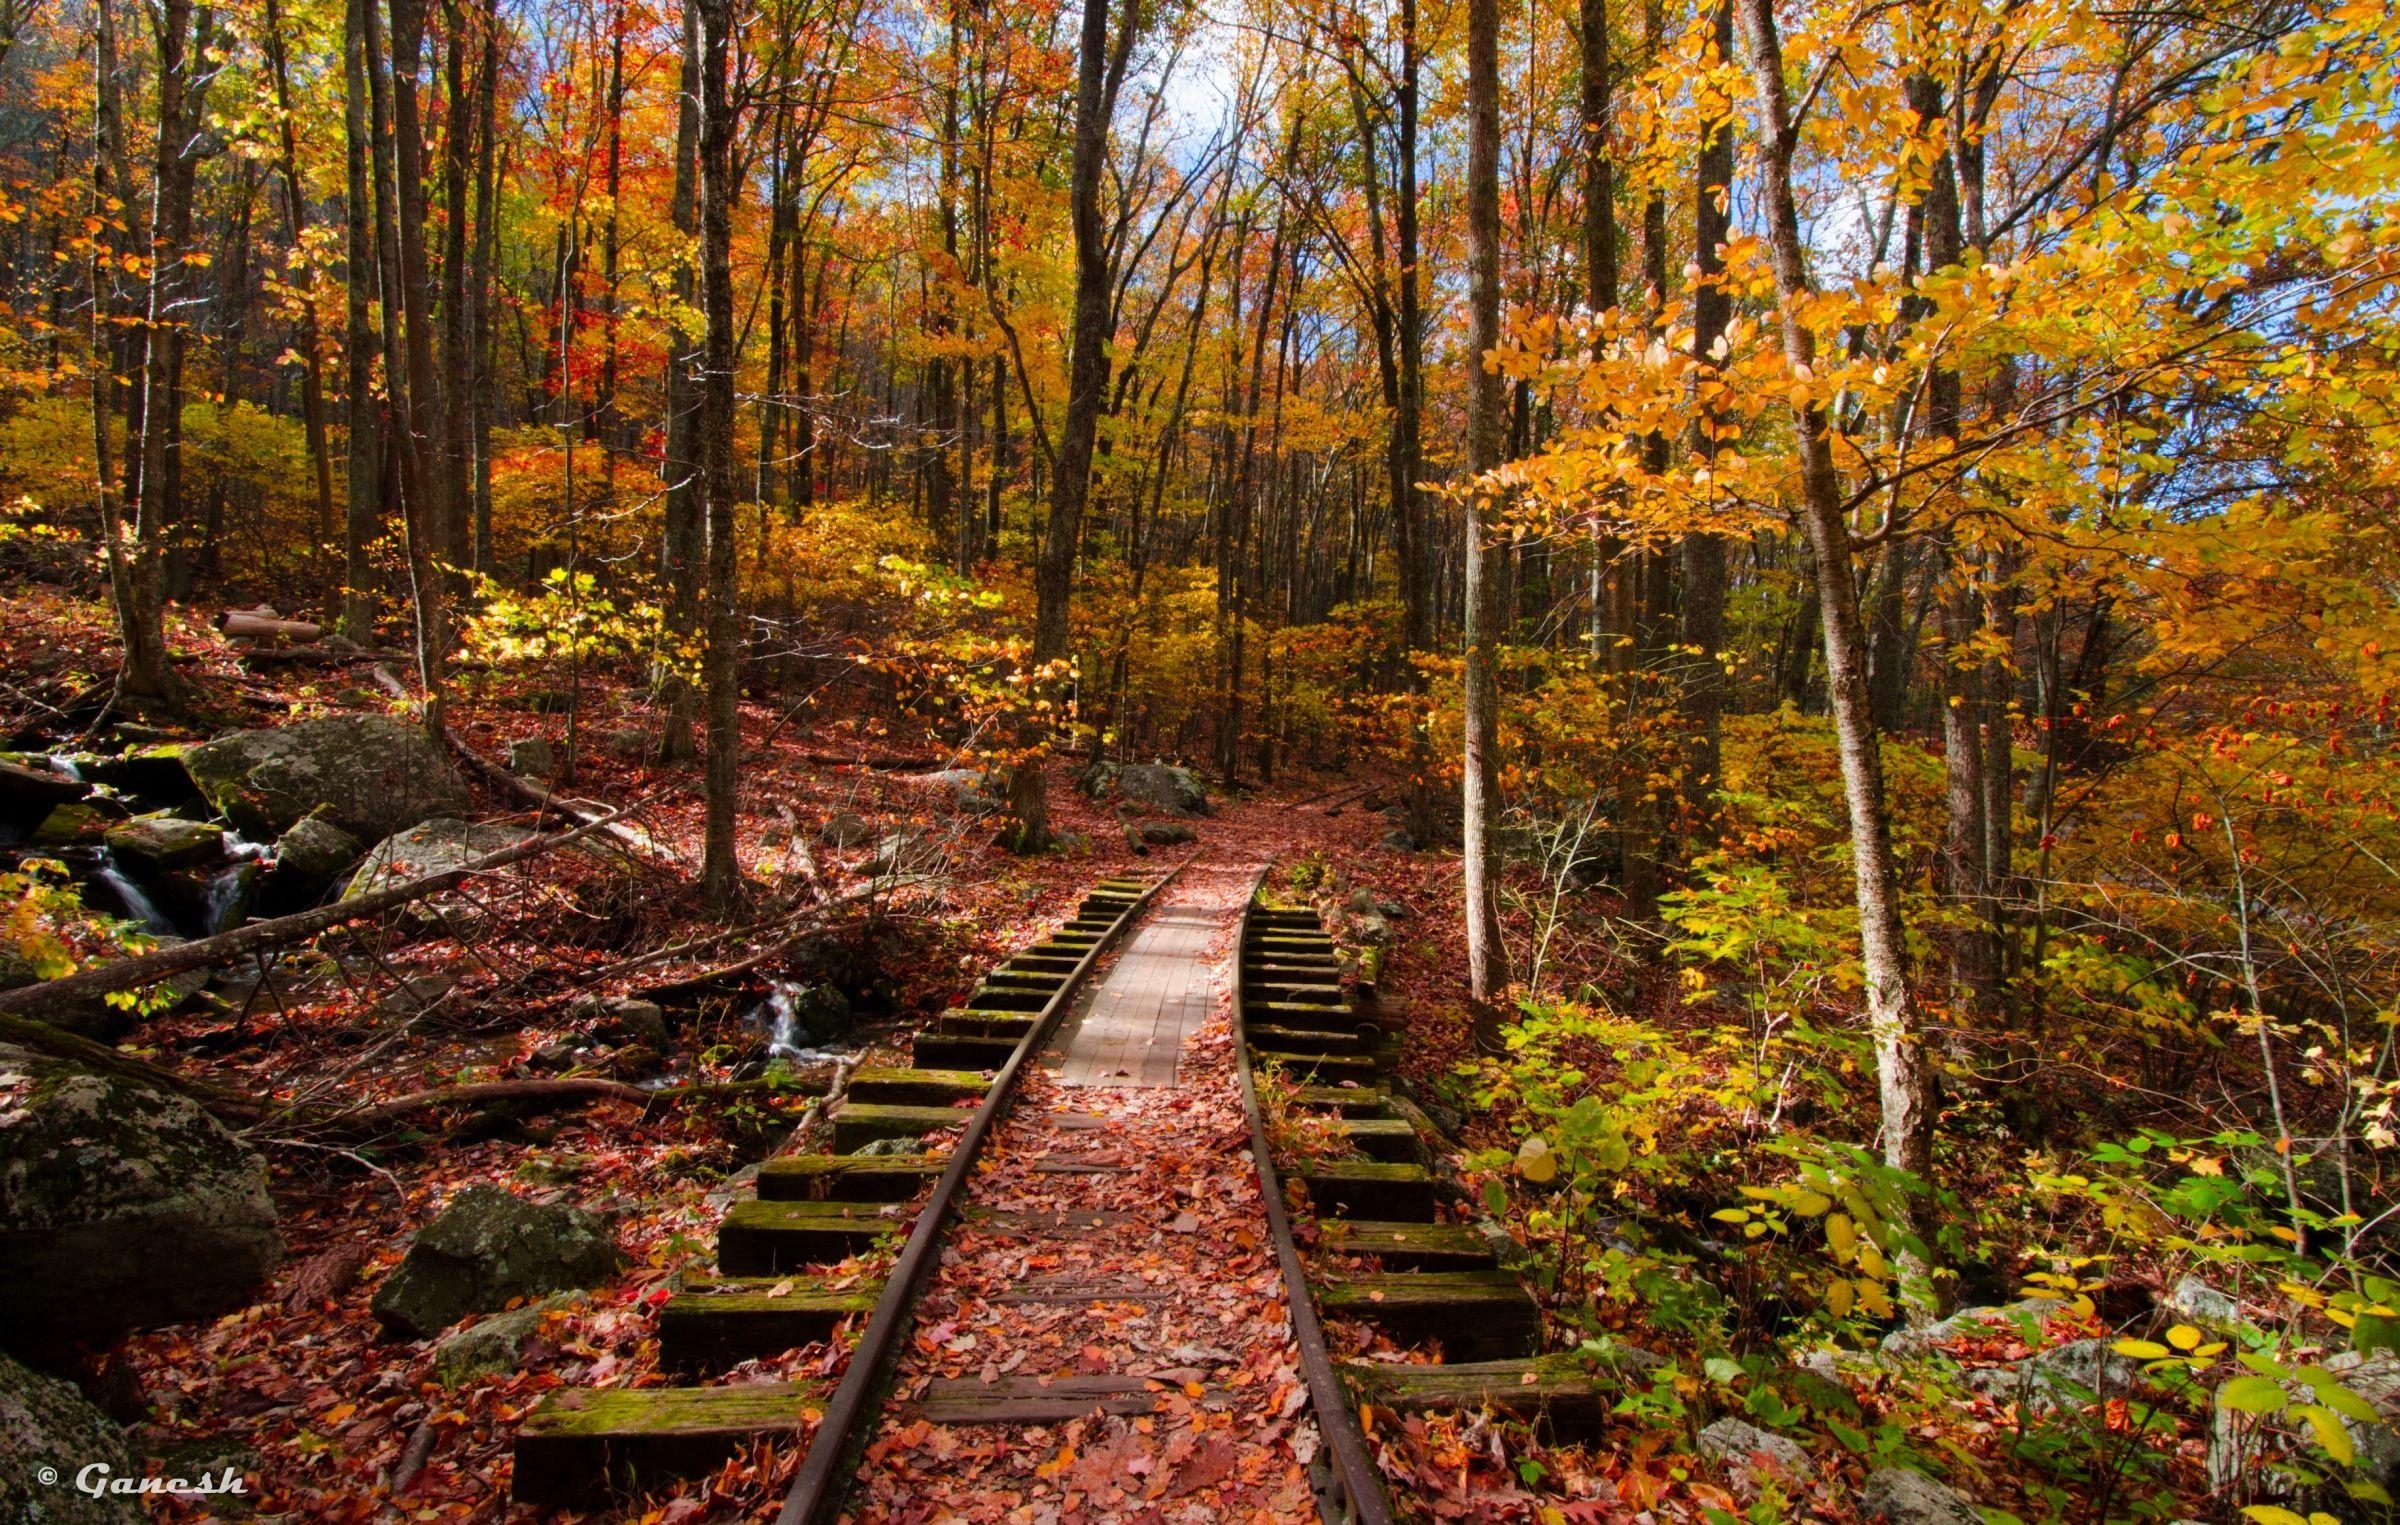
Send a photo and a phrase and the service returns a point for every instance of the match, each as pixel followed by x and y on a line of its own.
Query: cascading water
pixel 228 898
pixel 789 1037
pixel 138 905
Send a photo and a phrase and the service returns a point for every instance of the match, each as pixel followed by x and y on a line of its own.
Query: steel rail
pixel 1355 1495
pixel 823 1474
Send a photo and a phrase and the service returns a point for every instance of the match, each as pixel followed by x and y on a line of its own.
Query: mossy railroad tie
pixel 714 1323
pixel 1301 1018
pixel 1037 1400
pixel 1368 1190
pixel 1296 991
pixel 1041 981
pixel 1301 1042
pixel 1410 1246
pixel 1324 1069
pixel 960 1051
pixel 892 1086
pixel 581 1444
pixel 984 1022
pixel 769 1238
pixel 1349 1101
pixel 1570 1397
pixel 1388 1139
pixel 857 1124
pixel 1476 1315
pixel 848 1177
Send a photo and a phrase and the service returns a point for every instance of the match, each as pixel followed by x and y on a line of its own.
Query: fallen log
pixel 265 625
pixel 633 839
pixel 542 1095
pixel 58 1043
pixel 62 994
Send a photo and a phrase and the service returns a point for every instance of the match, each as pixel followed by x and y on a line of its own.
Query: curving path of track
pixel 1117 1347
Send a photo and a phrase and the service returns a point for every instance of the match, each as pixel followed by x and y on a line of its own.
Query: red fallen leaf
pixel 1210 1465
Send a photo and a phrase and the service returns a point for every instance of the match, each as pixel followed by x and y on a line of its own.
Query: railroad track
pixel 1367 1246
pixel 773 1289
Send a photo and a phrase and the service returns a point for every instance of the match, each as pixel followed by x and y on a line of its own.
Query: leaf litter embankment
pixel 1133 1268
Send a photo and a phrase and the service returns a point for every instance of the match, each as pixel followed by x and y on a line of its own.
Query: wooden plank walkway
pixel 1129 1029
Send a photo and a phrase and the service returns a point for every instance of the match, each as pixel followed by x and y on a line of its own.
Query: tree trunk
pixel 1703 611
pixel 683 545
pixel 1487 956
pixel 1097 74
pixel 1905 1086
pixel 154 441
pixel 421 422
pixel 720 873
pixel 295 216
pixel 362 514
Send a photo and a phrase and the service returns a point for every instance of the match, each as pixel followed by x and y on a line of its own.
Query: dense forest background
pixel 1853 541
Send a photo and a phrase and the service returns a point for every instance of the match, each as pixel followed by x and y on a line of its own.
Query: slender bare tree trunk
pixel 295 216
pixel 362 513
pixel 421 423
pixel 720 872
pixel 1901 1073
pixel 1487 955
pixel 683 549
pixel 1703 609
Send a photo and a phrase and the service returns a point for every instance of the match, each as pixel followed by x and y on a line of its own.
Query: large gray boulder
pixel 2064 1376
pixel 48 1431
pixel 369 774
pixel 444 843
pixel 1159 785
pixel 1745 1448
pixel 121 1207
pixel 1898 1496
pixel 487 1247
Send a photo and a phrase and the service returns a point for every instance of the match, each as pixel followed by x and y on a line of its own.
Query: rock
pixel 1744 1447
pixel 31 793
pixel 1167 833
pixel 1160 785
pixel 1899 1496
pixel 371 776
pixel 628 742
pixel 315 850
pixel 2064 1376
pixel 160 842
pixel 532 757
pixel 47 1427
pixel 635 1061
pixel 904 853
pixel 798 1016
pixel 624 1019
pixel 964 786
pixel 121 1207
pixel 485 1248
pixel 2198 1301
pixel 71 826
pixel 416 994
pixel 437 846
pixel 496 1345
pixel 889 1146
pixel 847 829
pixel 152 772
pixel 1398 841
pixel 1391 910
pixel 2027 1316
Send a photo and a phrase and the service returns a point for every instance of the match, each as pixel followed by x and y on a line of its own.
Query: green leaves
pixel 2252 1395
